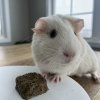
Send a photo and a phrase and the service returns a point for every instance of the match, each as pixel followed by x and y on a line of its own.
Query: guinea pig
pixel 58 48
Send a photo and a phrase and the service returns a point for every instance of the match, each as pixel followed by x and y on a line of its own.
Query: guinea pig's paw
pixel 45 75
pixel 55 78
pixel 95 77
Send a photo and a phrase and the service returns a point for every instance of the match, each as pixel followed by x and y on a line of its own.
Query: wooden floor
pixel 21 55
pixel 16 55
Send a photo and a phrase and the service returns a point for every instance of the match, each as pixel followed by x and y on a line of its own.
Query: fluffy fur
pixel 48 53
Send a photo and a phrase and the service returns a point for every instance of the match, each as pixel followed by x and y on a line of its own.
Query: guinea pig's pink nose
pixel 68 56
pixel 40 26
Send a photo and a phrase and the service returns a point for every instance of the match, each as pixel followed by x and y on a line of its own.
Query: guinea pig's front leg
pixel 95 77
pixel 45 75
pixel 52 77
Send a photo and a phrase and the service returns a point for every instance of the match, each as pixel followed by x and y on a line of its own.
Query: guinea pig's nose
pixel 68 56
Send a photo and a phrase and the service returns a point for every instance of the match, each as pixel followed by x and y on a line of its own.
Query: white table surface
pixel 66 90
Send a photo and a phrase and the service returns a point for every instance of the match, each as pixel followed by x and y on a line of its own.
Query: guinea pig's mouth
pixel 68 56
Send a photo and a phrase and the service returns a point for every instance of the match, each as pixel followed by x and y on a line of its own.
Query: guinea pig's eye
pixel 74 33
pixel 53 33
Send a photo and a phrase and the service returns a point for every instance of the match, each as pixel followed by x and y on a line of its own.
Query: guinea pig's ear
pixel 77 24
pixel 40 26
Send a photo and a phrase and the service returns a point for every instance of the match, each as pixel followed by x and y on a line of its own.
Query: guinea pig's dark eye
pixel 74 33
pixel 53 33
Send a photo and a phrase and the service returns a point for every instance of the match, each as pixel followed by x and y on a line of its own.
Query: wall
pixel 38 9
pixel 19 17
pixel 19 20
pixel 96 17
pixel 95 40
pixel 23 15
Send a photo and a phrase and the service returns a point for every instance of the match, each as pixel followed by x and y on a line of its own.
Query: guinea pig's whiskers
pixel 46 59
pixel 51 50
pixel 47 55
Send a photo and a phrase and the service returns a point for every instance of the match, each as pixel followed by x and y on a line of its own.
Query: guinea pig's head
pixel 57 37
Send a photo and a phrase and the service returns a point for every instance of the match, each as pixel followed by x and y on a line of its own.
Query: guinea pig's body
pixel 58 50
pixel 89 63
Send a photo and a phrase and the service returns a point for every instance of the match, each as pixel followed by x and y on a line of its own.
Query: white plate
pixel 66 90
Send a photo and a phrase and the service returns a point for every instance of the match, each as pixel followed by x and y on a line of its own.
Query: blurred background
pixel 17 17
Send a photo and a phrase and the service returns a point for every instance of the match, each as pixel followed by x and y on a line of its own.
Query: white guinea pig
pixel 58 49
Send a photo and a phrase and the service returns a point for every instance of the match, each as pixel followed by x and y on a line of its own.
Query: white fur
pixel 48 53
